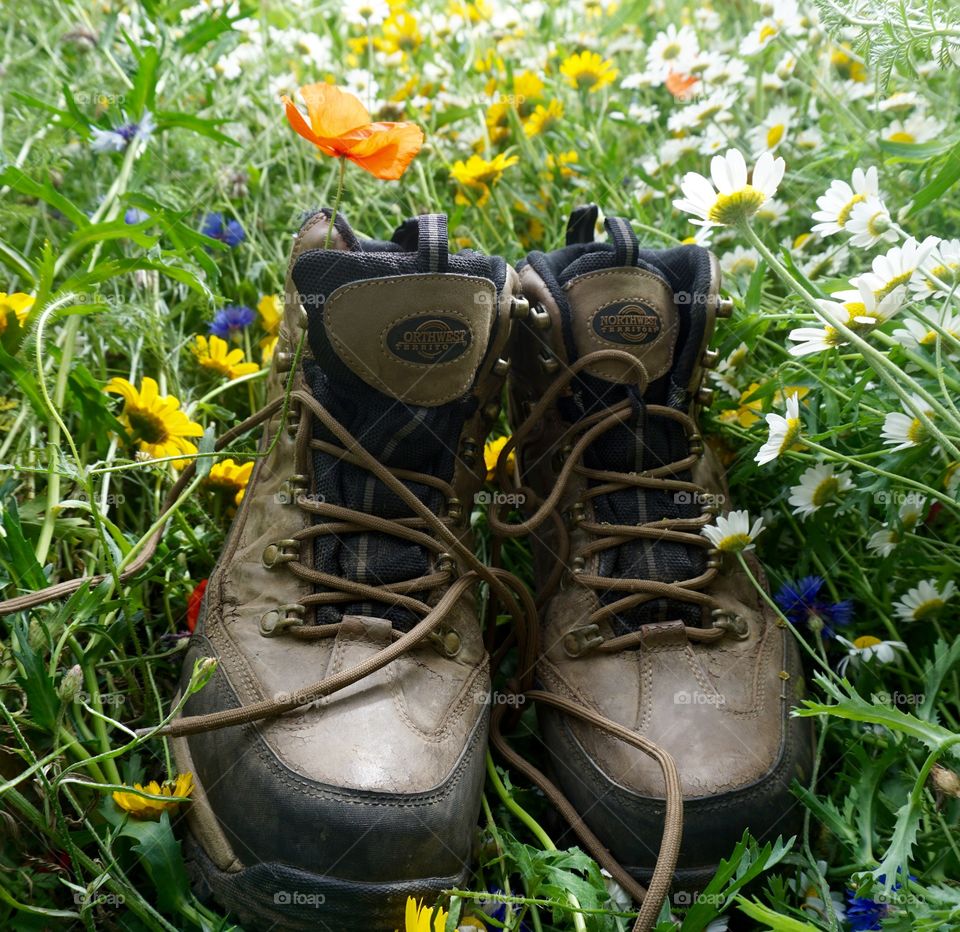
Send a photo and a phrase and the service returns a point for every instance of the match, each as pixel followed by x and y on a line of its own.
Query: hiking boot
pixel 343 596
pixel 642 621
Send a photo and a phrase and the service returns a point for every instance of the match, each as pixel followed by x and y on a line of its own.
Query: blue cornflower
pixel 800 601
pixel 229 232
pixel 134 215
pixel 118 138
pixel 865 914
pixel 230 320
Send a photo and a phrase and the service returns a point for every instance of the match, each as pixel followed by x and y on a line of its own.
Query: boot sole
pixel 276 896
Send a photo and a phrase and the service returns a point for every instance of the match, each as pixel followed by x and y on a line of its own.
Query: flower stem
pixel 336 202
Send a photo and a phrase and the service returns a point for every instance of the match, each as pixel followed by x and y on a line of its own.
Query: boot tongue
pixel 397 338
pixel 634 310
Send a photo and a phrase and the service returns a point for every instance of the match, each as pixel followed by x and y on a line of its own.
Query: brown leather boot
pixel 339 750
pixel 641 620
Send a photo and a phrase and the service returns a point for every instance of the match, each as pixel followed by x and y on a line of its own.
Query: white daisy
pixel 869 223
pixel 809 138
pixel 733 532
pixel 812 340
pixel 859 307
pixel 884 541
pixel 915 129
pixel 673 50
pixel 940 273
pixel 730 198
pixel 723 70
pixel 365 12
pixel 923 600
pixel 774 130
pixel 897 266
pixel 783 431
pixel 903 430
pixel 728 368
pixel 902 100
pixel 866 648
pixel 917 334
pixel 773 212
pixel 839 200
pixel 820 486
pixel 740 262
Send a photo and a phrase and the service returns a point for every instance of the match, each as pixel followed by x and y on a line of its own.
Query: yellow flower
pixel 230 477
pixel 152 809
pixel 267 346
pixel 271 312
pixel 750 410
pixel 478 174
pixel 588 71
pixel 154 421
pixel 18 304
pixel 212 353
pixel 420 918
pixel 400 33
pixel 527 88
pixel 498 120
pixel 847 66
pixel 491 453
pixel 562 162
pixel 543 118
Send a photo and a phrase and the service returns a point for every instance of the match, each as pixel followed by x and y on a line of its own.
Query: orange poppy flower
pixel 340 126
pixel 680 84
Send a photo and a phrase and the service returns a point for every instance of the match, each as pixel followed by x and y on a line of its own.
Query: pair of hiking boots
pixel 339 750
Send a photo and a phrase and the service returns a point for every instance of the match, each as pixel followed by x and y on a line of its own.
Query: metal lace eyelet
pixel 446 564
pixel 277 620
pixel 470 452
pixel 576 514
pixel 448 642
pixel 695 444
pixel 454 509
pixel 540 317
pixel 731 622
pixel 577 565
pixel 280 551
pixel 501 366
pixel 291 489
pixel 714 559
pixel 519 307
pixel 549 363
pixel 577 641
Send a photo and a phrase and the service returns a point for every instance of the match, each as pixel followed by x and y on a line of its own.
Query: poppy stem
pixel 336 201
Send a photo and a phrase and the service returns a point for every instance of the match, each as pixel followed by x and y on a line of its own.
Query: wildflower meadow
pixel 156 158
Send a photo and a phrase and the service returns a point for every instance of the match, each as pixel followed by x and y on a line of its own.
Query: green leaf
pixel 208 443
pixel 915 151
pixel 113 268
pixel 771 919
pixel 25 381
pixel 946 179
pixel 24 184
pixel 142 95
pixel 37 684
pixel 115 229
pixel 934 673
pixel 160 854
pixel 167 119
pixel 751 300
pixel 896 860
pixel 26 570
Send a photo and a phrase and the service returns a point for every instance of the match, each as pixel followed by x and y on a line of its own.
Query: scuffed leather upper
pixel 379 781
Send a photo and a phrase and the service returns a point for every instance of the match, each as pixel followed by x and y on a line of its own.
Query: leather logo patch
pixel 429 339
pixel 629 322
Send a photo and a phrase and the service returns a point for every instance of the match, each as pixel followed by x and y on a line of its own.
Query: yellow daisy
pixel 270 307
pixel 152 809
pixel 213 353
pixel 420 918
pixel 230 477
pixel 478 174
pixel 543 118
pixel 588 71
pixel 18 304
pixel 491 453
pixel 154 421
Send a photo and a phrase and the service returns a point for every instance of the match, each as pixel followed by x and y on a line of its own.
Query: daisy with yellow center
pixel 230 477
pixel 730 198
pixel 587 71
pixel 420 918
pixel 151 809
pixel 773 131
pixel 750 409
pixel 543 118
pixel 214 353
pixel 940 275
pixel 840 198
pixel 478 174
pixel 820 487
pixel 783 432
pixel 733 532
pixel 919 334
pixel 898 266
pixel 154 421
pixel 870 223
pixel 923 600
pixel 867 648
pixel 18 304
pixel 904 430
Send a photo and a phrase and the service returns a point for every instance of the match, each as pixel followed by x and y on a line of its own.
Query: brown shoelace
pixel 434 533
